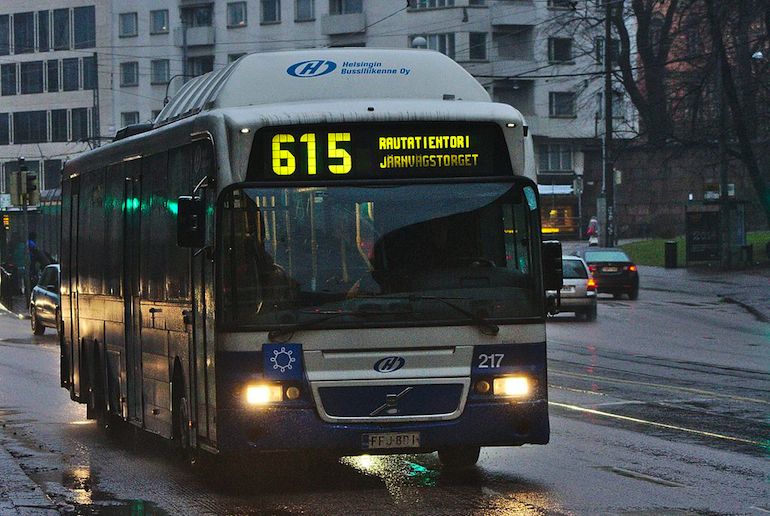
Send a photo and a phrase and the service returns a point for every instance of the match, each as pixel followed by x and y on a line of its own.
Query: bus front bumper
pixel 302 430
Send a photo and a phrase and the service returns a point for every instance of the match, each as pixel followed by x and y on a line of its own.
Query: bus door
pixel 131 287
pixel 202 273
pixel 70 257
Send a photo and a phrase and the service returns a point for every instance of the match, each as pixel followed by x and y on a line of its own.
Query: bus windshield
pixel 297 254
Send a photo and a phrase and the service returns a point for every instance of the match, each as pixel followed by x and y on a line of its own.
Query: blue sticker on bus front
pixel 282 361
pixel 312 68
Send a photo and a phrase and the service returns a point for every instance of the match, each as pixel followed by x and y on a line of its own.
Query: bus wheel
pixel 181 430
pixel 459 458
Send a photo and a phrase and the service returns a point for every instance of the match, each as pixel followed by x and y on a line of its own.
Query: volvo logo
pixel 311 68
pixel 390 407
pixel 389 364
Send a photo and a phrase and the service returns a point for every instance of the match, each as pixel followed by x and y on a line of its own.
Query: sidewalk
pixel 18 493
pixel 748 288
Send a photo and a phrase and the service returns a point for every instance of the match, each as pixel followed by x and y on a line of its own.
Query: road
pixel 661 406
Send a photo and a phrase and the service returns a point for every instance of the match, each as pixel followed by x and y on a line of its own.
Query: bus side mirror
pixel 553 275
pixel 190 222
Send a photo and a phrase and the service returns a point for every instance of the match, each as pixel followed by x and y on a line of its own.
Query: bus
pixel 330 251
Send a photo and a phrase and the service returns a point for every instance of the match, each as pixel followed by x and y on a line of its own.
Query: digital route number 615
pixel 285 162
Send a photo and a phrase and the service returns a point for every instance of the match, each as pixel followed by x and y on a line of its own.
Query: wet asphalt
pixel 659 407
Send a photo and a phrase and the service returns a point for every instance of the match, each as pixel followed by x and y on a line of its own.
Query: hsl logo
pixel 389 364
pixel 311 68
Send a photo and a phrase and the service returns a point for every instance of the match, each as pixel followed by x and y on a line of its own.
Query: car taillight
pixel 591 284
pixel 631 268
pixel 592 268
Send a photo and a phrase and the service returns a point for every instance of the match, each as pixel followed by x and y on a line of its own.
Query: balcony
pixel 520 12
pixel 196 36
pixel 333 24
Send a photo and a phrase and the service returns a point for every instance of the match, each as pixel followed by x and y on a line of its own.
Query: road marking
pixel 760 509
pixel 656 424
pixel 642 476
pixel 557 372
pixel 581 391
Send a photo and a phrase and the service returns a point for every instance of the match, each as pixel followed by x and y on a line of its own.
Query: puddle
pixel 75 491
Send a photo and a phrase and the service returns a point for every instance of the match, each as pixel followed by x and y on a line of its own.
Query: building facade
pixel 73 71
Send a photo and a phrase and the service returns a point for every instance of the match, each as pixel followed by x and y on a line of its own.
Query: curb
pixel 761 317
pixel 18 493
pixel 18 316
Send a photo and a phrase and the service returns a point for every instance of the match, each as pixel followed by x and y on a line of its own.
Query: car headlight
pixel 262 394
pixel 515 386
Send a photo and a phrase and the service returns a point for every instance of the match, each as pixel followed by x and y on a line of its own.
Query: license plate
pixel 609 269
pixel 568 289
pixel 390 440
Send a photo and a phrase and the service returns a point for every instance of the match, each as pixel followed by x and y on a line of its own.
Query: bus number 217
pixel 285 162
pixel 490 361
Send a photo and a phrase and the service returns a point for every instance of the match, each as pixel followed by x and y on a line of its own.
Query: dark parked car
pixel 613 271
pixel 44 301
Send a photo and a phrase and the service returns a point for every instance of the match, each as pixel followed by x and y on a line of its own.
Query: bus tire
pixel 180 432
pixel 459 458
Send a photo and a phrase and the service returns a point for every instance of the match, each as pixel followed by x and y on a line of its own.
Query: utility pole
pixel 607 172
pixel 25 228
pixel 95 112
pixel 184 54
pixel 724 207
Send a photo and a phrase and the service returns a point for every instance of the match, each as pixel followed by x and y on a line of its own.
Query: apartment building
pixel 74 72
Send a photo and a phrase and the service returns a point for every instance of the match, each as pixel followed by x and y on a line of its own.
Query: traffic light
pixel 6 221
pixel 30 180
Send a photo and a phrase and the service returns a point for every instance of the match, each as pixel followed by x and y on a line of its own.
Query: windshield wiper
pixel 484 325
pixel 288 331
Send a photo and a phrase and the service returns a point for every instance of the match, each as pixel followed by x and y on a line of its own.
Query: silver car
pixel 44 301
pixel 578 294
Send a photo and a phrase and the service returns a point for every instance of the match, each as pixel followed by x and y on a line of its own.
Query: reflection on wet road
pixel 660 406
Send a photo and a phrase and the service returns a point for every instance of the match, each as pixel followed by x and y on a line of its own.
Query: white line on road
pixel 655 423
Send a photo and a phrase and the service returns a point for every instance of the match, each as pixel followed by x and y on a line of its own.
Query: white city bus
pixel 324 250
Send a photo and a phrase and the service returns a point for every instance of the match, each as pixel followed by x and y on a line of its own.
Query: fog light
pixel 263 394
pixel 511 386
pixel 482 387
pixel 292 393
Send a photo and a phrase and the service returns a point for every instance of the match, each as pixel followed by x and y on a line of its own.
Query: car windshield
pixel 606 256
pixel 293 255
pixel 574 269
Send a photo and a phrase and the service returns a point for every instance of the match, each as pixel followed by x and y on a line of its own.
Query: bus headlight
pixel 263 394
pixel 517 386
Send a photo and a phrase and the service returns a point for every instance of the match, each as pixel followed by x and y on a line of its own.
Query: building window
pixel 430 4
pixel 236 14
pixel 127 25
pixel 43 32
pixel 5 129
pixel 70 74
pixel 200 65
pixel 444 43
pixel 61 29
pixel 53 75
pixel 198 16
pixel 159 71
pixel 304 10
pixel 129 73
pixel 555 158
pixel 562 4
pixel 560 50
pixel 84 21
pixel 8 79
pixel 271 11
pixel 159 21
pixel 231 58
pixel 478 46
pixel 89 73
pixel 59 125
pixel 599 50
pixel 51 174
pixel 129 118
pixel 618 105
pixel 561 104
pixel 79 124
pixel 31 73
pixel 24 33
pixel 5 35
pixel 345 6
pixel 30 127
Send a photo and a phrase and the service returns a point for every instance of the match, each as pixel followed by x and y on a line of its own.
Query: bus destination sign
pixel 378 151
